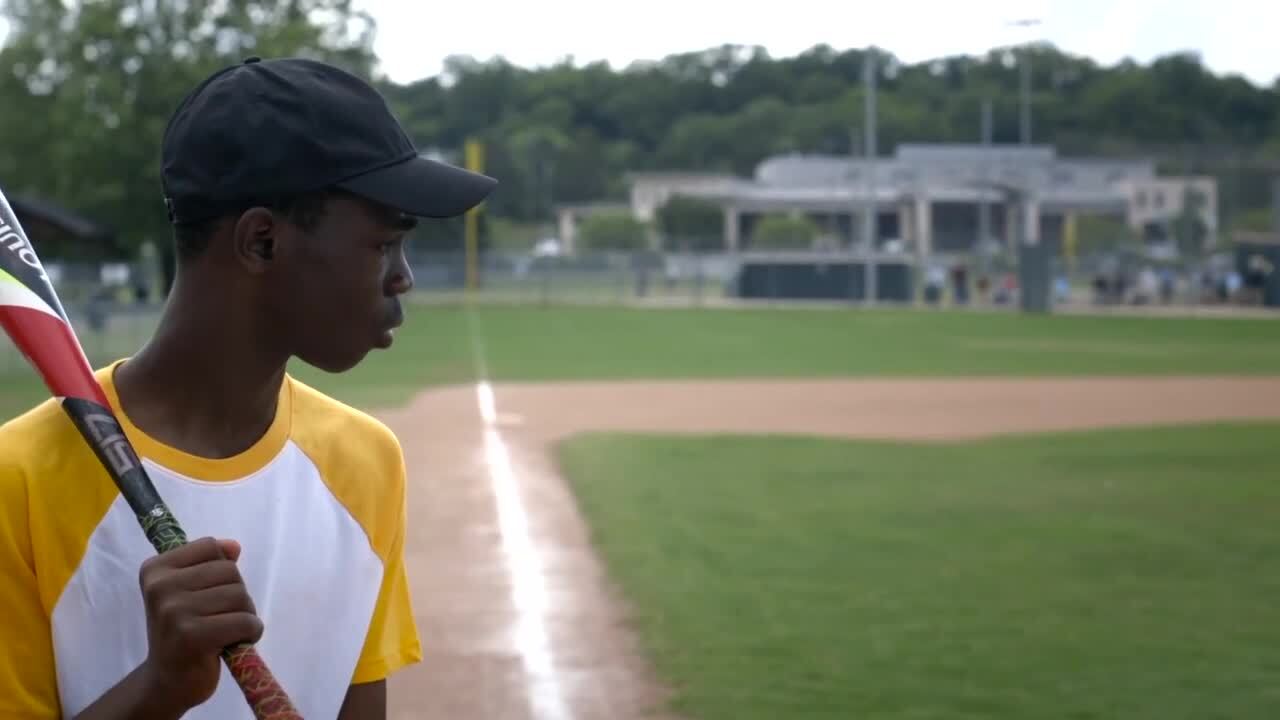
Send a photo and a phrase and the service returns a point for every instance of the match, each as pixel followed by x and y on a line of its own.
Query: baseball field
pixel 889 514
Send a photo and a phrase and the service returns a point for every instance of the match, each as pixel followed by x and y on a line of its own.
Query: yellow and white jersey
pixel 317 504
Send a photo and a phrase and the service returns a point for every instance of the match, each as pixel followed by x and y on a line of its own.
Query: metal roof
pixel 939 172
pixel 69 222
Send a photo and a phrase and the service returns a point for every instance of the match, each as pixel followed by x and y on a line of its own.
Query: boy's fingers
pixel 192 553
pixel 230 549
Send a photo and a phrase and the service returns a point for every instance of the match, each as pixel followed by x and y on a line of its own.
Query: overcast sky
pixel 414 37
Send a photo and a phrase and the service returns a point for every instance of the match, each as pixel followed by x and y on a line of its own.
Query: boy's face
pixel 336 288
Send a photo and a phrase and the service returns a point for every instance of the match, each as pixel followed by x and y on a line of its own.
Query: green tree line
pixel 567 134
pixel 87 88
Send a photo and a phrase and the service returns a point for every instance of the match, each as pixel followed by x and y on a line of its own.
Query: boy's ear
pixel 254 239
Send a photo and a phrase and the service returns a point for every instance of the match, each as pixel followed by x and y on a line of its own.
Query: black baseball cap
pixel 262 129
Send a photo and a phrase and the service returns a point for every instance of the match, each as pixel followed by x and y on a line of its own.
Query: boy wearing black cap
pixel 290 187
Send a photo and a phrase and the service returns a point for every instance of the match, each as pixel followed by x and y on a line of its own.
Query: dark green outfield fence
pixel 1259 265
pixel 798 278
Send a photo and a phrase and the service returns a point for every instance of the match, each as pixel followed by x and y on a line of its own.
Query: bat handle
pixel 265 696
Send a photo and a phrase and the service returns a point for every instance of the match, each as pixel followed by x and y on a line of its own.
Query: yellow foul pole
pixel 1070 240
pixel 475 163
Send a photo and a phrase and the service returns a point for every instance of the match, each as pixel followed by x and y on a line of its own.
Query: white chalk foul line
pixel 524 564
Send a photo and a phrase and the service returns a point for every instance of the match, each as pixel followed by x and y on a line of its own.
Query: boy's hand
pixel 196 605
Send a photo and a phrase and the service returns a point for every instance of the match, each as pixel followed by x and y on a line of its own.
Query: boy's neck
pixel 206 383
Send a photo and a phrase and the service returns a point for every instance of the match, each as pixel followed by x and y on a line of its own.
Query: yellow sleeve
pixel 362 462
pixel 392 640
pixel 28 678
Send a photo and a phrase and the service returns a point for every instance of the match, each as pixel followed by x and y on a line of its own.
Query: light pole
pixel 1024 66
pixel 870 211
pixel 984 209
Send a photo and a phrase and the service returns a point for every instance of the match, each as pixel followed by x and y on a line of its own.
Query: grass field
pixel 1097 575
pixel 531 343
pixel 536 343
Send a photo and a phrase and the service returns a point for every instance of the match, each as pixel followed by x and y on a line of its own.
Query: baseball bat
pixel 33 316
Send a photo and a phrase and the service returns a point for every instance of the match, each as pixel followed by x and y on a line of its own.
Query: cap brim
pixel 424 187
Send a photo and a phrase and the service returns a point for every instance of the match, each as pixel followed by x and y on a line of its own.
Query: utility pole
pixel 1025 117
pixel 869 224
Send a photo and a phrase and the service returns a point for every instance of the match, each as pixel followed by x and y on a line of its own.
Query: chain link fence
pixel 111 316
pixel 689 278
pixel 1107 280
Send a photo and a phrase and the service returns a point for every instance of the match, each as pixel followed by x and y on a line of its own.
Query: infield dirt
pixel 564 650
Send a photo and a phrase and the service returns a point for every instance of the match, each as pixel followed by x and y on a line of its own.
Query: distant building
pixel 76 251
pixel 1152 205
pixel 58 232
pixel 935 198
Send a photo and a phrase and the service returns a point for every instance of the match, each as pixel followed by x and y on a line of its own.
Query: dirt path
pixel 517 616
